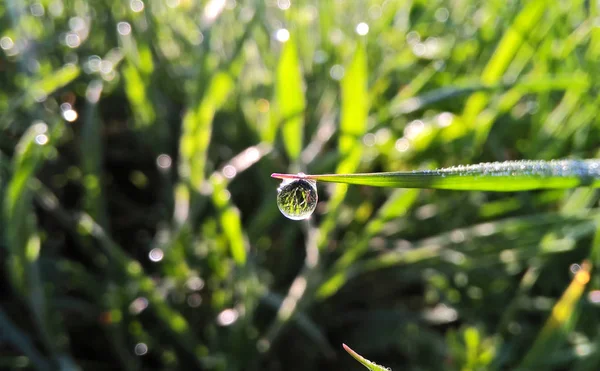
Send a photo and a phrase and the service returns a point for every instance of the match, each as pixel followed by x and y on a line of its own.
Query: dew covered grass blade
pixel 508 176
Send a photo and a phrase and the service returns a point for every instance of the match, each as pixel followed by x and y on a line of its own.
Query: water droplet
pixel 297 198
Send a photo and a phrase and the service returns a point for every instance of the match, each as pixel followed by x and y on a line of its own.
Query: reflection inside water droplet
pixel 297 198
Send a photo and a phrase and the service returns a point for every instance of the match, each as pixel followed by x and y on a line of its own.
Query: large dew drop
pixel 297 198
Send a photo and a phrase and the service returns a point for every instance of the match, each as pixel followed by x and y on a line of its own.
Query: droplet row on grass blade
pixel 505 176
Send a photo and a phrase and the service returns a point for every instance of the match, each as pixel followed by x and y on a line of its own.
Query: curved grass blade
pixel 560 323
pixel 508 176
pixel 363 361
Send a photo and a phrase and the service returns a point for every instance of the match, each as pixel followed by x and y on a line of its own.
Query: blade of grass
pixel 561 321
pixel 354 113
pixel 197 129
pixel 508 176
pixel 290 101
pixel 24 239
pixel 514 37
pixel 363 361
pixel 230 219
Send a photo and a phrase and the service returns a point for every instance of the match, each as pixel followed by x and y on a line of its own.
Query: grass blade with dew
pixel 508 176
pixel 363 361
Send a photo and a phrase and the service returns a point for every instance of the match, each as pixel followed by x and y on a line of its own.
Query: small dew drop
pixel 227 317
pixel 297 198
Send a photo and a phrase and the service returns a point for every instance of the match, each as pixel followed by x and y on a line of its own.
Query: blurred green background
pixel 139 224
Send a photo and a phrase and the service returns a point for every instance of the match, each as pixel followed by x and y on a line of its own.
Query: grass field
pixel 140 229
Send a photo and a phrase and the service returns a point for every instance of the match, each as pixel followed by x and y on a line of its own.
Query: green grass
pixel 140 229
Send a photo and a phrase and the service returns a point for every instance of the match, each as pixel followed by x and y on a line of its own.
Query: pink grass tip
pixel 287 176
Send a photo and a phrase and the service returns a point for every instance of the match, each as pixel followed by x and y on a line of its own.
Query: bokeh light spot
pixel 137 5
pixel 282 35
pixel 362 28
pixel 227 317
pixel 164 161
pixel 336 72
pixel 124 28
pixel 140 349
pixel 156 254
pixel 284 4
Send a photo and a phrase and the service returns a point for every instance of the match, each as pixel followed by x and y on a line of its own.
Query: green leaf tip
pixel 365 362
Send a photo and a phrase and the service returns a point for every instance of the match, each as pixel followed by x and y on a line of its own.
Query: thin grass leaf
pixel 508 176
pixel 289 96
pixel 354 111
pixel 355 104
pixel 55 80
pixel 230 219
pixel 561 321
pixel 136 90
pixel 507 48
pixel 41 88
pixel 363 361
pixel 24 239
pixel 197 129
